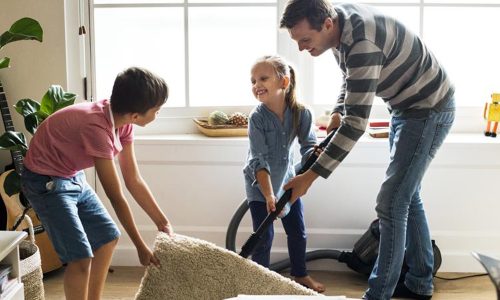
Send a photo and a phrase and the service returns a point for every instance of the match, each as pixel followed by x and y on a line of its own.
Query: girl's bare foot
pixel 309 282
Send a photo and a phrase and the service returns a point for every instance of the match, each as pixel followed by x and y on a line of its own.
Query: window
pixel 205 49
pixel 462 34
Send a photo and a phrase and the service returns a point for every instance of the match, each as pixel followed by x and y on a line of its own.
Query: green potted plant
pixel 34 112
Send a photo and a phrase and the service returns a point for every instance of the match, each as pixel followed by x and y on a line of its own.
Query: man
pixel 378 56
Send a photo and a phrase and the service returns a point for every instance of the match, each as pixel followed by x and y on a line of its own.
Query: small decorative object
pixel 492 114
pixel 217 118
pixel 239 119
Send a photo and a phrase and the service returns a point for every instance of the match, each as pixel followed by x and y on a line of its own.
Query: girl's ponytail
pixel 291 100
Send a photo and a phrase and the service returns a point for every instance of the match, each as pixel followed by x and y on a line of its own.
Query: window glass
pixel 152 38
pixel 375 2
pixel 99 2
pixel 232 1
pixel 224 42
pixel 469 53
pixel 475 2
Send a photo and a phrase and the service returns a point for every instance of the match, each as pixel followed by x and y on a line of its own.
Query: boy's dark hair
pixel 315 11
pixel 137 90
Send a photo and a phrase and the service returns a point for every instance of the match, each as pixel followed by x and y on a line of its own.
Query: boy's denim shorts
pixel 71 212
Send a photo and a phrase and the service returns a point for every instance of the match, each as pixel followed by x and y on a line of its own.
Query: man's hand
pixel 300 185
pixel 334 123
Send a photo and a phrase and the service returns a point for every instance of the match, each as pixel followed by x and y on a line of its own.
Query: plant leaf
pixel 13 140
pixel 32 121
pixel 4 62
pixel 55 99
pixel 12 184
pixel 22 29
pixel 27 106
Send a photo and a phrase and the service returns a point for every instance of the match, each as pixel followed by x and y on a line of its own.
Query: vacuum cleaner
pixel 361 259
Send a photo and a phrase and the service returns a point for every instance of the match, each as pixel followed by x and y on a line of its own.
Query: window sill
pixel 458 151
pixel 197 138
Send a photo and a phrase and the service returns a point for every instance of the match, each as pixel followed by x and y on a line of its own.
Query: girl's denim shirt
pixel 271 148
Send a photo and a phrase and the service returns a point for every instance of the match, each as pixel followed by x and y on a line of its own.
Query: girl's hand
pixel 271 203
pixel 146 257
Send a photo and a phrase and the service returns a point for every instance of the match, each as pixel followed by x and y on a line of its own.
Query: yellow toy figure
pixel 492 114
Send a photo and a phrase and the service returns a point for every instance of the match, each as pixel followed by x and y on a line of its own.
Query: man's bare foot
pixel 309 282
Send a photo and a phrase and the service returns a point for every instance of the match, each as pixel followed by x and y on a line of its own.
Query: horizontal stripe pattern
pixel 378 57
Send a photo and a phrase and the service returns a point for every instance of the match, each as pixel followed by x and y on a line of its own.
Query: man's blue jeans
pixel 414 140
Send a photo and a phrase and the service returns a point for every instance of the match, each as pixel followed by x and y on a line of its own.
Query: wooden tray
pixel 220 130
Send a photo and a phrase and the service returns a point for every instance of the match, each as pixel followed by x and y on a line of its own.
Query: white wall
pixel 199 184
pixel 34 65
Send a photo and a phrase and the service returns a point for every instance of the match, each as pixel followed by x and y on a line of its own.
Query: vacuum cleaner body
pixel 365 251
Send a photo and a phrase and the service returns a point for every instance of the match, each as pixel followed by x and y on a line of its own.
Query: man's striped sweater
pixel 379 56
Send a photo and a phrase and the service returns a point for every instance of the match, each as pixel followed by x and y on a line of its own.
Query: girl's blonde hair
pixel 282 69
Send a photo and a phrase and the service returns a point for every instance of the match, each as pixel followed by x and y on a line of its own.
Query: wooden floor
pixel 123 283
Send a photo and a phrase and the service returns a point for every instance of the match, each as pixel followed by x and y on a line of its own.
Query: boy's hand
pixel 146 257
pixel 167 228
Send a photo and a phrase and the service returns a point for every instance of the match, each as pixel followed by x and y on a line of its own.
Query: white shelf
pixel 9 255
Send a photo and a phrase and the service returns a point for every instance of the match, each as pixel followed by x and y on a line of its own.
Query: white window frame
pixel 179 119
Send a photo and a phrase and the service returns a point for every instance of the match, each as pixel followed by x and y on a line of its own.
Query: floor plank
pixel 123 283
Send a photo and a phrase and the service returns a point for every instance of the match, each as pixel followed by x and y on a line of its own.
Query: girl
pixel 273 126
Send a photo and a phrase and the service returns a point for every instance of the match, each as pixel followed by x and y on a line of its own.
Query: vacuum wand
pixel 249 247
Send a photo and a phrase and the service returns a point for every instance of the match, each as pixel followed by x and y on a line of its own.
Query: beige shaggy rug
pixel 197 269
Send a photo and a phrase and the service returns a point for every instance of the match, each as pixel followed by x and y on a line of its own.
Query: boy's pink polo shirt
pixel 68 140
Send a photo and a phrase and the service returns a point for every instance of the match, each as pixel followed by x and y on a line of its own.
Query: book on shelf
pixel 7 286
pixel 5 270
pixel 378 123
pixel 378 132
pixel 6 280
pixel 378 128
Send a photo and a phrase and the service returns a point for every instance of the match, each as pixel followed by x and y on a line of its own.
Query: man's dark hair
pixel 137 90
pixel 315 11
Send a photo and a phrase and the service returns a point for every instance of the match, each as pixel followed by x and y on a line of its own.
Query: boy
pixel 90 135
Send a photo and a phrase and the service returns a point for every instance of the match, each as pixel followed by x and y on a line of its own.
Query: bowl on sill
pixel 220 130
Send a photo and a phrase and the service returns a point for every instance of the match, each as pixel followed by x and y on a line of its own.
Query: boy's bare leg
pixel 76 279
pixel 309 282
pixel 99 269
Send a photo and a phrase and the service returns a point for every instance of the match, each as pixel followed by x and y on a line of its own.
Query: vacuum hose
pixel 361 259
pixel 279 266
